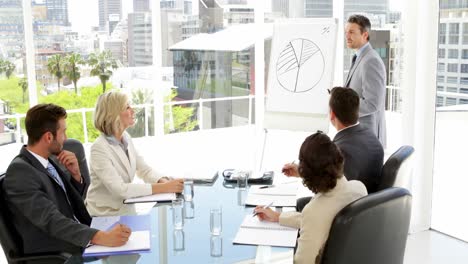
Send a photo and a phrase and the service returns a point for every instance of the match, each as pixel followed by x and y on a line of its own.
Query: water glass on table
pixel 177 213
pixel 216 221
pixel 242 179
pixel 188 190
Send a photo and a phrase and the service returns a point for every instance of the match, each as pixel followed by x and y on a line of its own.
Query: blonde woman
pixel 114 161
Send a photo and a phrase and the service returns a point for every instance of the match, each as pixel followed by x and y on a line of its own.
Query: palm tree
pixel 71 69
pixel 55 67
pixel 9 68
pixel 2 66
pixel 23 83
pixel 102 65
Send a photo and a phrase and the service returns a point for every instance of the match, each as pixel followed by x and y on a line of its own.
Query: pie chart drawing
pixel 300 66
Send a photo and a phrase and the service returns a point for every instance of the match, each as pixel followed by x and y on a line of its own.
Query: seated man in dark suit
pixel 361 149
pixel 46 205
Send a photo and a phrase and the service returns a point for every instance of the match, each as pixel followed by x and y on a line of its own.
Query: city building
pixel 140 44
pixel 141 6
pixel 287 8
pixel 110 13
pixel 57 12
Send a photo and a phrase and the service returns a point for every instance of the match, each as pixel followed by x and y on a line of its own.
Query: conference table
pixel 211 150
pixel 193 244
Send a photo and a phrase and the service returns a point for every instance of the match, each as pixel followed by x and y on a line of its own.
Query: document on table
pixel 139 240
pixel 280 196
pixel 255 232
pixel 160 197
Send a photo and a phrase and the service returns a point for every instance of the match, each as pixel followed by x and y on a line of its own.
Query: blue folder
pixel 134 222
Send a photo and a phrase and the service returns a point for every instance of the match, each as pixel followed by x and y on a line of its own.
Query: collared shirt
pixel 123 144
pixel 347 127
pixel 358 53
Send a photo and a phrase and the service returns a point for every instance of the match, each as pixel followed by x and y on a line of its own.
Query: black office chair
pixel 76 147
pixel 372 229
pixel 12 243
pixel 396 171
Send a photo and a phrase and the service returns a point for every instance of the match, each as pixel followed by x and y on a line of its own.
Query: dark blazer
pixel 363 155
pixel 40 209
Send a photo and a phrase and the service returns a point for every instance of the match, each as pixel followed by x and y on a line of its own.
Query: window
pixel 465 33
pixel 465 54
pixel 440 78
pixel 464 80
pixel 463 101
pixel 442 33
pixel 440 88
pixel 452 67
pixel 454 31
pixel 441 53
pixel 453 54
pixel 452 80
pixel 441 67
pixel 440 101
pixel 452 89
pixel 464 68
pixel 464 90
pixel 450 101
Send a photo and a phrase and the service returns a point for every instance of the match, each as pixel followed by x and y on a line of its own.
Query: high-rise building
pixel 184 5
pixel 140 40
pixel 287 8
pixel 452 67
pixel 57 12
pixel 110 13
pixel 141 6
pixel 11 29
pixel 324 8
pixel 211 16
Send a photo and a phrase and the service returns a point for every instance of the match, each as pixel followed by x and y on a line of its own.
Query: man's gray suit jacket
pixel 42 212
pixel 368 78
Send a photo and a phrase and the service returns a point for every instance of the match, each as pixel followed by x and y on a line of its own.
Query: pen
pixel 267 186
pixel 264 207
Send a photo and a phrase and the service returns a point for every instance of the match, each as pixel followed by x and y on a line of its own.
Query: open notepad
pixel 279 196
pixel 255 232
pixel 160 197
pixel 139 240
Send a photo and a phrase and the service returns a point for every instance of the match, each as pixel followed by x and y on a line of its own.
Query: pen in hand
pixel 264 207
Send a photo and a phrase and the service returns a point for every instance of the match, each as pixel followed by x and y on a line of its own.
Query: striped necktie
pixel 51 169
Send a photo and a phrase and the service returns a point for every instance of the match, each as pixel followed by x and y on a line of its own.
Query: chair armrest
pixel 50 255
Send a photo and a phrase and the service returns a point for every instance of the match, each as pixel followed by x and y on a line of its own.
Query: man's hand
pixel 116 237
pixel 69 160
pixel 172 186
pixel 290 170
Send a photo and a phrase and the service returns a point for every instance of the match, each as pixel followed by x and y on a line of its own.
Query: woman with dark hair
pixel 321 169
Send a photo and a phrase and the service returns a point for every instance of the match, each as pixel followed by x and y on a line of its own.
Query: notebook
pixel 255 232
pixel 139 241
pixel 160 197
pixel 280 196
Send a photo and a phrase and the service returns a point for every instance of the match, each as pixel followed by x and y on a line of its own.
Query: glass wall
pixel 14 95
pixel 451 126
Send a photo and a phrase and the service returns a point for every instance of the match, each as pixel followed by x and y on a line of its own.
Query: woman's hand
pixel 266 214
pixel 172 186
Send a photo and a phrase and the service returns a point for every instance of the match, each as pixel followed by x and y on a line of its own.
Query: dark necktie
pixel 353 61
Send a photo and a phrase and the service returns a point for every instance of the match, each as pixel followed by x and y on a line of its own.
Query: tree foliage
pixel 71 69
pixel 7 67
pixel 102 65
pixel 55 65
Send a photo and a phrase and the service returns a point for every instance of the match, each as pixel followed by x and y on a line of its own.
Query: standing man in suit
pixel 45 202
pixel 362 151
pixel 367 76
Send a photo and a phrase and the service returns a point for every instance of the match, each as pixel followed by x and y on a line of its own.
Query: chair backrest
pixel 397 170
pixel 372 229
pixel 76 147
pixel 9 237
